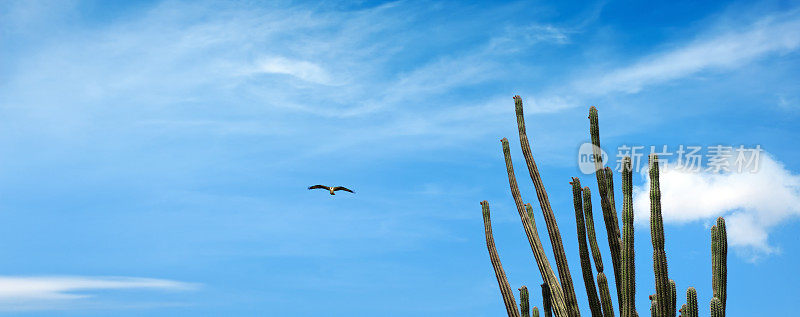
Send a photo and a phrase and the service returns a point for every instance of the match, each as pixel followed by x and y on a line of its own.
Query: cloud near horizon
pixel 752 203
pixel 56 292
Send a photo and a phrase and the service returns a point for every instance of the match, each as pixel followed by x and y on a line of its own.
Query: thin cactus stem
pixel 587 211
pixel 716 307
pixel 691 303
pixel 586 262
pixel 609 210
pixel 524 304
pixel 529 224
pixel 673 298
pixel 719 256
pixel 535 312
pixel 549 218
pixel 547 302
pixel 605 295
pixel 505 288
pixel 657 237
pixel 628 268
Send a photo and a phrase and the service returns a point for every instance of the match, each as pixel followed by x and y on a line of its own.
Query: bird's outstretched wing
pixel 320 186
pixel 343 188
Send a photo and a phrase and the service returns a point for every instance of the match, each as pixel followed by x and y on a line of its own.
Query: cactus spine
pixel 719 259
pixel 547 303
pixel 609 210
pixel 628 268
pixel 524 304
pixel 586 262
pixel 550 220
pixel 605 295
pixel 691 303
pixel 587 211
pixel 657 237
pixel 529 225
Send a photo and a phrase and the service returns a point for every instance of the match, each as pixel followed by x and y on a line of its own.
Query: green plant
pixel 558 294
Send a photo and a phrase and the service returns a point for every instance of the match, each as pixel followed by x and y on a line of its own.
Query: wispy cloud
pixel 304 70
pixel 728 50
pixel 59 292
pixel 723 46
pixel 752 203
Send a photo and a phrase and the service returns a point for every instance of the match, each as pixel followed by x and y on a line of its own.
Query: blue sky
pixel 154 156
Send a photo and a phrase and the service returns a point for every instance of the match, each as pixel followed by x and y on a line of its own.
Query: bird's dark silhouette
pixel 332 189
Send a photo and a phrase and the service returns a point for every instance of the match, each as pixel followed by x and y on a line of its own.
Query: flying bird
pixel 332 189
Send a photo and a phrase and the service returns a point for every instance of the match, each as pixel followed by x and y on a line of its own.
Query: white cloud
pixel 752 203
pixel 304 70
pixel 53 292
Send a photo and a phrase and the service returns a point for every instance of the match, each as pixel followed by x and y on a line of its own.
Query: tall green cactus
pixel 586 262
pixel 505 288
pixel 549 218
pixel 672 298
pixel 529 224
pixel 605 295
pixel 547 303
pixel 609 210
pixel 719 259
pixel 628 268
pixel 691 303
pixel 557 290
pixel 587 212
pixel 657 237
pixel 524 304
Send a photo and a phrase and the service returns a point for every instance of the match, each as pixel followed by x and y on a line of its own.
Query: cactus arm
pixel 586 262
pixel 587 211
pixel 657 237
pixel 691 303
pixel 605 295
pixel 535 312
pixel 673 298
pixel 549 218
pixel 627 266
pixel 609 210
pixel 547 303
pixel 524 304
pixel 719 265
pixel 505 288
pixel 529 224
pixel 716 307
